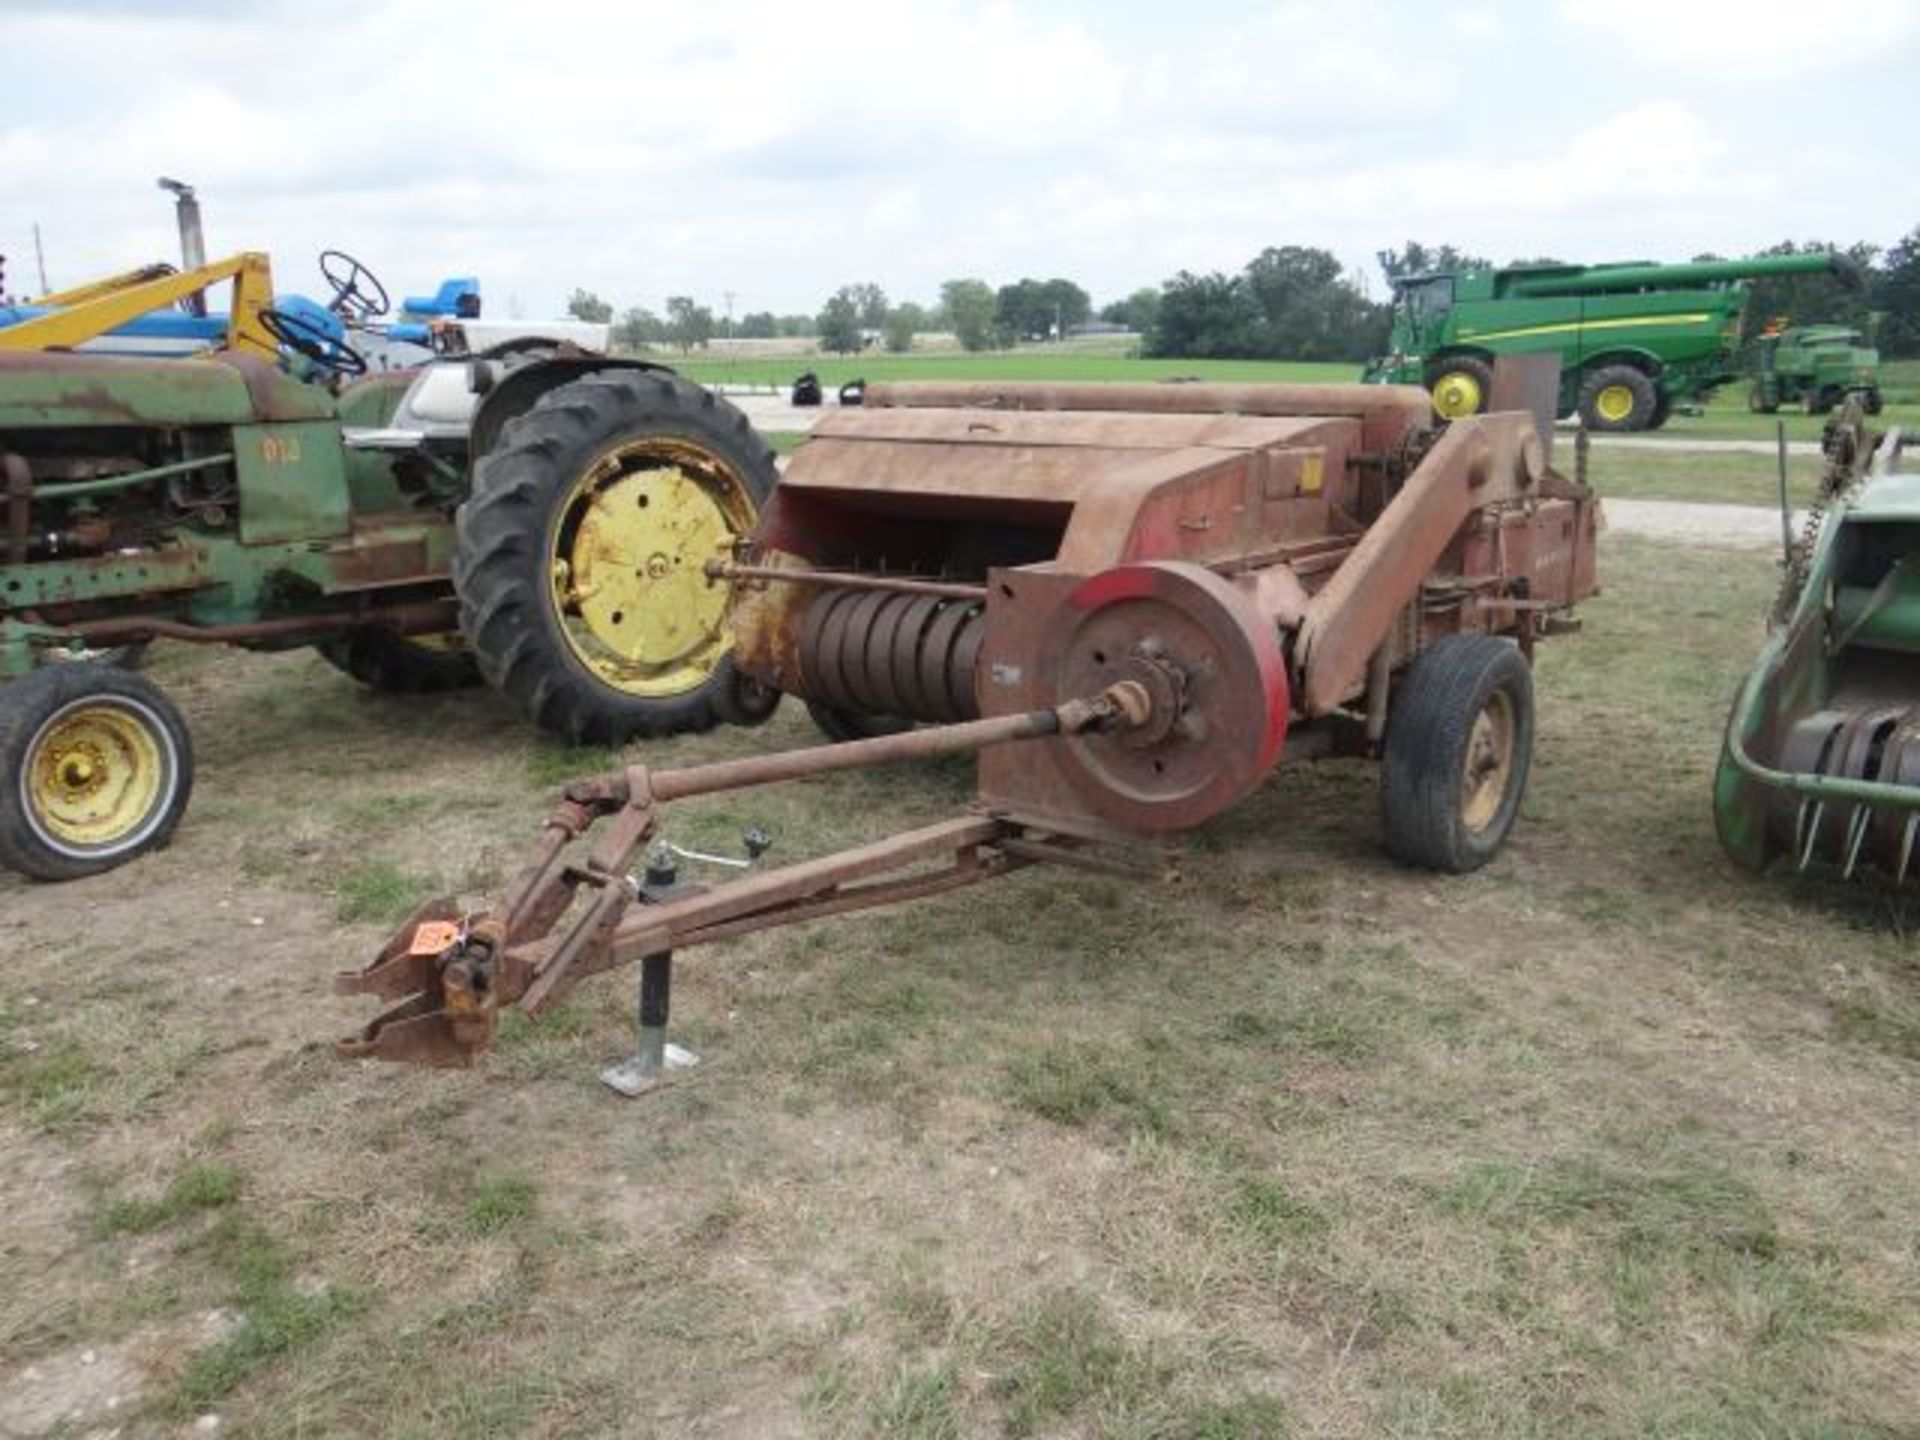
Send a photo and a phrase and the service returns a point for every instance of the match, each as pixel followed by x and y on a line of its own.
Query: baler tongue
pixel 439 974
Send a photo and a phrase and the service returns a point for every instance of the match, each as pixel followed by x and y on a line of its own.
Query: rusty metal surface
pixel 880 653
pixel 1174 578
pixel 19 492
pixel 1480 462
pixel 419 617
pixel 1388 411
pixel 450 975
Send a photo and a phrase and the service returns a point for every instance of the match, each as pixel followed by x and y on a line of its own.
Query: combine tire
pixel 579 564
pixel 1616 398
pixel 1459 742
pixel 1460 386
pixel 400 664
pixel 97 768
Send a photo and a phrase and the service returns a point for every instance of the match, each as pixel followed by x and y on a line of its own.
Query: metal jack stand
pixel 655 1059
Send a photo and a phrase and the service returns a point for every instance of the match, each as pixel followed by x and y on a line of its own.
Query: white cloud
pixel 779 150
pixel 1738 41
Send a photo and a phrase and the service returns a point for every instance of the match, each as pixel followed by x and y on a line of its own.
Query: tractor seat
pixel 459 298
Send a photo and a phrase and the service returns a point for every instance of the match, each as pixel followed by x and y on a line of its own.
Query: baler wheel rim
pixel 1458 750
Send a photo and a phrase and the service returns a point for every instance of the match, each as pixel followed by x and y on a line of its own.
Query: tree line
pixel 1290 302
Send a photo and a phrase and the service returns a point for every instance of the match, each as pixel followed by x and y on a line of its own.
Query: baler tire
pixel 105 709
pixel 840 726
pixel 511 523
pixel 1471 366
pixel 1634 380
pixel 1431 734
pixel 739 699
pixel 394 664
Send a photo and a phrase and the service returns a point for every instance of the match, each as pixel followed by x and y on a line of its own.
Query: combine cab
pixel 1822 758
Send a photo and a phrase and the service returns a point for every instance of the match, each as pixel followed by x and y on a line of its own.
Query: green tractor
pixel 1634 340
pixel 1815 367
pixel 534 517
pixel 1821 762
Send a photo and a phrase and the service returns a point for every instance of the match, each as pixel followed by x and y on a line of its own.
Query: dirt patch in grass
pixel 1607 1139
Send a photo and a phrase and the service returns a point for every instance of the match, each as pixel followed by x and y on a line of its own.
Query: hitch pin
pixel 755 841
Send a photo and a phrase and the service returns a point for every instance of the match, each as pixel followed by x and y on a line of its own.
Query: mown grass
pixel 1606 1140
pixel 1643 473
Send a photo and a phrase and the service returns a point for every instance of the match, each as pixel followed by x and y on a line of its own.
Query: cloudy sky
pixel 780 149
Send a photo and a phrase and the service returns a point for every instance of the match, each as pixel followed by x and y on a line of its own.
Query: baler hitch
pixel 450 974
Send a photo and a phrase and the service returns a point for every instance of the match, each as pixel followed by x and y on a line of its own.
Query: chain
pixel 1846 446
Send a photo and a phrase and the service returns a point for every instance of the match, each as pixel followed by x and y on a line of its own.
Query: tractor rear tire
pixel 96 767
pixel 1458 747
pixel 1617 398
pixel 840 726
pixel 1460 385
pixel 557 622
pixel 398 664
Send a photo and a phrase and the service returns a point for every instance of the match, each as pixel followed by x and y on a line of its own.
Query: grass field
pixel 1606 1140
pixel 1725 416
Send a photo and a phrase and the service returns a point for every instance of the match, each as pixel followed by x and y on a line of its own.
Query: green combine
pixel 1815 367
pixel 1822 756
pixel 1634 340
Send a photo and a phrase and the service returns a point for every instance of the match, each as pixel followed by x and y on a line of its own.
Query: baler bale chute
pixel 1127 599
pixel 1821 763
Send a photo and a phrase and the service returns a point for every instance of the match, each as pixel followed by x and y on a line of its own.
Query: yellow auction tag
pixel 430 937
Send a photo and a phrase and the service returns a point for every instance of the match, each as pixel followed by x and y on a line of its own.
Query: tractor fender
pixel 516 391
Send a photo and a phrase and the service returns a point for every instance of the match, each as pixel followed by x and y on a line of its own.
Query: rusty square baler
pixel 1128 599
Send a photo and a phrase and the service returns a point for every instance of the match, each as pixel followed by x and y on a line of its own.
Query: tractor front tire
pixel 97 768
pixel 1871 402
pixel 1617 398
pixel 1461 385
pixel 1760 402
pixel 398 664
pixel 581 554
pixel 1458 747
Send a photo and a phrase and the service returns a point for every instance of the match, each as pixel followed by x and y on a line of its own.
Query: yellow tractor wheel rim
pixel 628 558
pixel 1614 403
pixel 1489 763
pixel 1456 395
pixel 97 776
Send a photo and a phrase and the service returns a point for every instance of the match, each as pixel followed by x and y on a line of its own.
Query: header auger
pixel 1126 599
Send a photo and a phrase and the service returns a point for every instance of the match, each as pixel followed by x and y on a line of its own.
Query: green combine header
pixel 1633 339
pixel 1821 764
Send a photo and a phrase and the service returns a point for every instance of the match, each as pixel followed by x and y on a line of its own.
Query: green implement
pixel 1634 340
pixel 538 517
pixel 1814 367
pixel 1822 755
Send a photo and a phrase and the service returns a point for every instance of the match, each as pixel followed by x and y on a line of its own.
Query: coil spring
pixel 877 652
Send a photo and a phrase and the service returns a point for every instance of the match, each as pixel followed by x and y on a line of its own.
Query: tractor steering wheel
pixel 300 334
pixel 344 274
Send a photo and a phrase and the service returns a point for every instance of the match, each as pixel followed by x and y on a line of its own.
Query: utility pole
pixel 40 260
